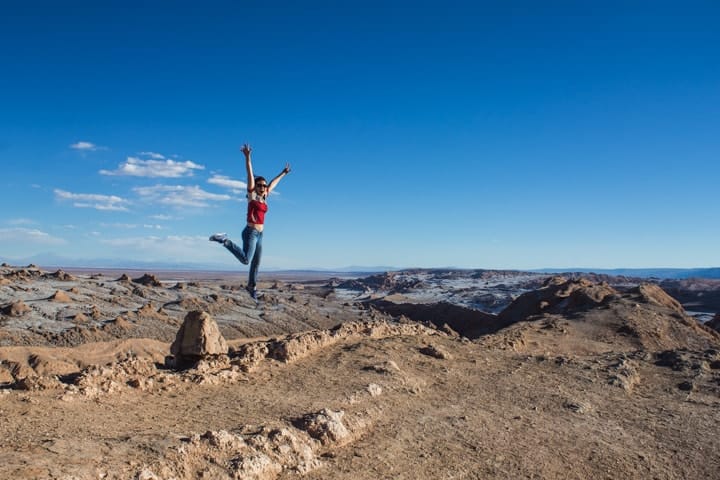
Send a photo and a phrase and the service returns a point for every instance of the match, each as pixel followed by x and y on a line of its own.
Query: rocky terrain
pixel 417 374
pixel 491 291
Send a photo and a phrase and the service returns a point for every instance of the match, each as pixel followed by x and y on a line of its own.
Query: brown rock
pixel 558 295
pixel 120 322
pixel 48 364
pixel 61 297
pixel 654 294
pixel 326 426
pixel 16 309
pixel 435 352
pixel 38 383
pixel 60 275
pixel 148 280
pixel 199 336
pixel 5 375
pixel 146 310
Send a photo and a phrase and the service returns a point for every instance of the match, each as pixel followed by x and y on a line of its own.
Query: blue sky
pixel 499 134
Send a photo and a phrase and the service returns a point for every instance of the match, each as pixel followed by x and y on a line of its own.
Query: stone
pixel 326 426
pixel 16 309
pixel 148 280
pixel 198 337
pixel 60 297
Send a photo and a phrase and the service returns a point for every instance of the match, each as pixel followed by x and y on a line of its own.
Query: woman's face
pixel 261 187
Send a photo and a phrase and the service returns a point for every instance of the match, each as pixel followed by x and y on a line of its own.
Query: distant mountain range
pixel 661 273
pixel 54 261
pixel 48 261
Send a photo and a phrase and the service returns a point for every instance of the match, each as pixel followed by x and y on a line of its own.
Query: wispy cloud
pixel 179 196
pixel 93 200
pixel 162 217
pixel 21 221
pixel 153 155
pixel 131 225
pixel 28 235
pixel 156 166
pixel 236 186
pixel 86 147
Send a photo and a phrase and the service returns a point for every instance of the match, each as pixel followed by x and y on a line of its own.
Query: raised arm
pixel 279 177
pixel 246 150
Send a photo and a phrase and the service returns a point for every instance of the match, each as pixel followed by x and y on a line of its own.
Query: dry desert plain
pixel 569 378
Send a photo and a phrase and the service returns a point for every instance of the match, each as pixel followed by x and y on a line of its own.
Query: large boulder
pixel 198 337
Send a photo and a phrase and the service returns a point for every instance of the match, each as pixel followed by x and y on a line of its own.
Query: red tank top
pixel 256 210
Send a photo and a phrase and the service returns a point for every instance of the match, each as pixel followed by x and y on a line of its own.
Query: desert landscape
pixel 437 374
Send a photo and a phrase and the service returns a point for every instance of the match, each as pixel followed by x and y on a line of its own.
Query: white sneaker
pixel 218 237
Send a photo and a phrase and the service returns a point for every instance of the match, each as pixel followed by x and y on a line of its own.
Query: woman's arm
pixel 279 177
pixel 246 150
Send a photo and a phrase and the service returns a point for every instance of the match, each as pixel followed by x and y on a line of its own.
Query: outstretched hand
pixel 287 168
pixel 246 149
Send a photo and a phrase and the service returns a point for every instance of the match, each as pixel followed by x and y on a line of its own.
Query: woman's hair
pixel 258 178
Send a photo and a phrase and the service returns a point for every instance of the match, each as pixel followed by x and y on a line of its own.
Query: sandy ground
pixel 589 384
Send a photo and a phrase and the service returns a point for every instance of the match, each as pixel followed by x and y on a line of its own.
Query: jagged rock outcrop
pixel 465 321
pixel 654 294
pixel 558 295
pixel 641 318
pixel 385 282
pixel 60 275
pixel 148 280
pixel 326 426
pixel 124 278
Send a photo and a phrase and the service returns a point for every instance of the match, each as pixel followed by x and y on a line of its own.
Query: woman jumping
pixel 258 191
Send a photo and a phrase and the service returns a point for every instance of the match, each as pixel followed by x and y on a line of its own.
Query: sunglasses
pixel 261 185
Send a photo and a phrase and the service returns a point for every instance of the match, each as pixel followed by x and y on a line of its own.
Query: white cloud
pixel 26 235
pixel 162 217
pixel 179 196
pixel 153 155
pixel 236 186
pixel 86 147
pixel 130 225
pixel 136 167
pixel 93 200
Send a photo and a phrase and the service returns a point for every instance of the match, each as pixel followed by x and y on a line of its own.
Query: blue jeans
pixel 250 253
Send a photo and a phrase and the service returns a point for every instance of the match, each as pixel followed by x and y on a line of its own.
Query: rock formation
pixel 148 280
pixel 198 337
pixel 15 309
